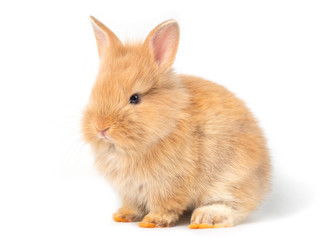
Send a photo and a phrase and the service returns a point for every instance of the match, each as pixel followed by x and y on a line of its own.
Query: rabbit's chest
pixel 134 190
pixel 129 180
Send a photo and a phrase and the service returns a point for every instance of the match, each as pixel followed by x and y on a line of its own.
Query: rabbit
pixel 171 143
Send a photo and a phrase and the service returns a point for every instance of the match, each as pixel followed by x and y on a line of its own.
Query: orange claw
pixel 203 226
pixel 200 226
pixel 119 219
pixel 146 225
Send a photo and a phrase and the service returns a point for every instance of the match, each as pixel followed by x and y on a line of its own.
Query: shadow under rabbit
pixel 286 198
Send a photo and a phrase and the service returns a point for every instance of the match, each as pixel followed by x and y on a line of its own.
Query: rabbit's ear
pixel 163 41
pixel 104 36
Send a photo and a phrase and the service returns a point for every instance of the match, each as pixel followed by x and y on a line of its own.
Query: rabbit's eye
pixel 134 99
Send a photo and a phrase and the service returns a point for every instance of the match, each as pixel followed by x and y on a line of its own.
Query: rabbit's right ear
pixel 163 42
pixel 105 38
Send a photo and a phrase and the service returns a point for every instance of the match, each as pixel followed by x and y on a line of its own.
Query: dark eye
pixel 134 99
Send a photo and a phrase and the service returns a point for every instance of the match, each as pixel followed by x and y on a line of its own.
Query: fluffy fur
pixel 189 144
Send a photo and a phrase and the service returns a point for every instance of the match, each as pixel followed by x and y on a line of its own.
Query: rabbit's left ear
pixel 105 38
pixel 163 42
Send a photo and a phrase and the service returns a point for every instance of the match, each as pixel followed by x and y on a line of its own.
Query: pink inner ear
pixel 163 43
pixel 101 38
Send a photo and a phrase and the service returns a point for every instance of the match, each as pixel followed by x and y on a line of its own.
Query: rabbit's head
pixel 137 100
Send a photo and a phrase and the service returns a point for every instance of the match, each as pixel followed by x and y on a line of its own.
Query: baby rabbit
pixel 171 143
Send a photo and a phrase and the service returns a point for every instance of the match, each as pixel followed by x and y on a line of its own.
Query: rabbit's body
pixel 200 150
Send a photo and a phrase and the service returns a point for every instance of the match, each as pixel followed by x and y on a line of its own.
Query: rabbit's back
pixel 232 150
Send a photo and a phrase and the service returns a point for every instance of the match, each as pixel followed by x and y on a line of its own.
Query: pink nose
pixel 104 130
pixel 103 134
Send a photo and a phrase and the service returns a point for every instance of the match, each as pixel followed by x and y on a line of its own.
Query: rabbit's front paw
pixel 126 215
pixel 159 220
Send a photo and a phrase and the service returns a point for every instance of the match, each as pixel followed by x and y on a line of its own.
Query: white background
pixel 267 52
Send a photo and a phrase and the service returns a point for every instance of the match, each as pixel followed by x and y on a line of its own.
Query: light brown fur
pixel 189 144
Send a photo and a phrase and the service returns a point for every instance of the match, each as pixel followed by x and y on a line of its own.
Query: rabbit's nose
pixel 102 133
pixel 104 130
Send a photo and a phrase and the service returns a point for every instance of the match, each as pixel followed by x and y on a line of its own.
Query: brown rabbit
pixel 170 143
